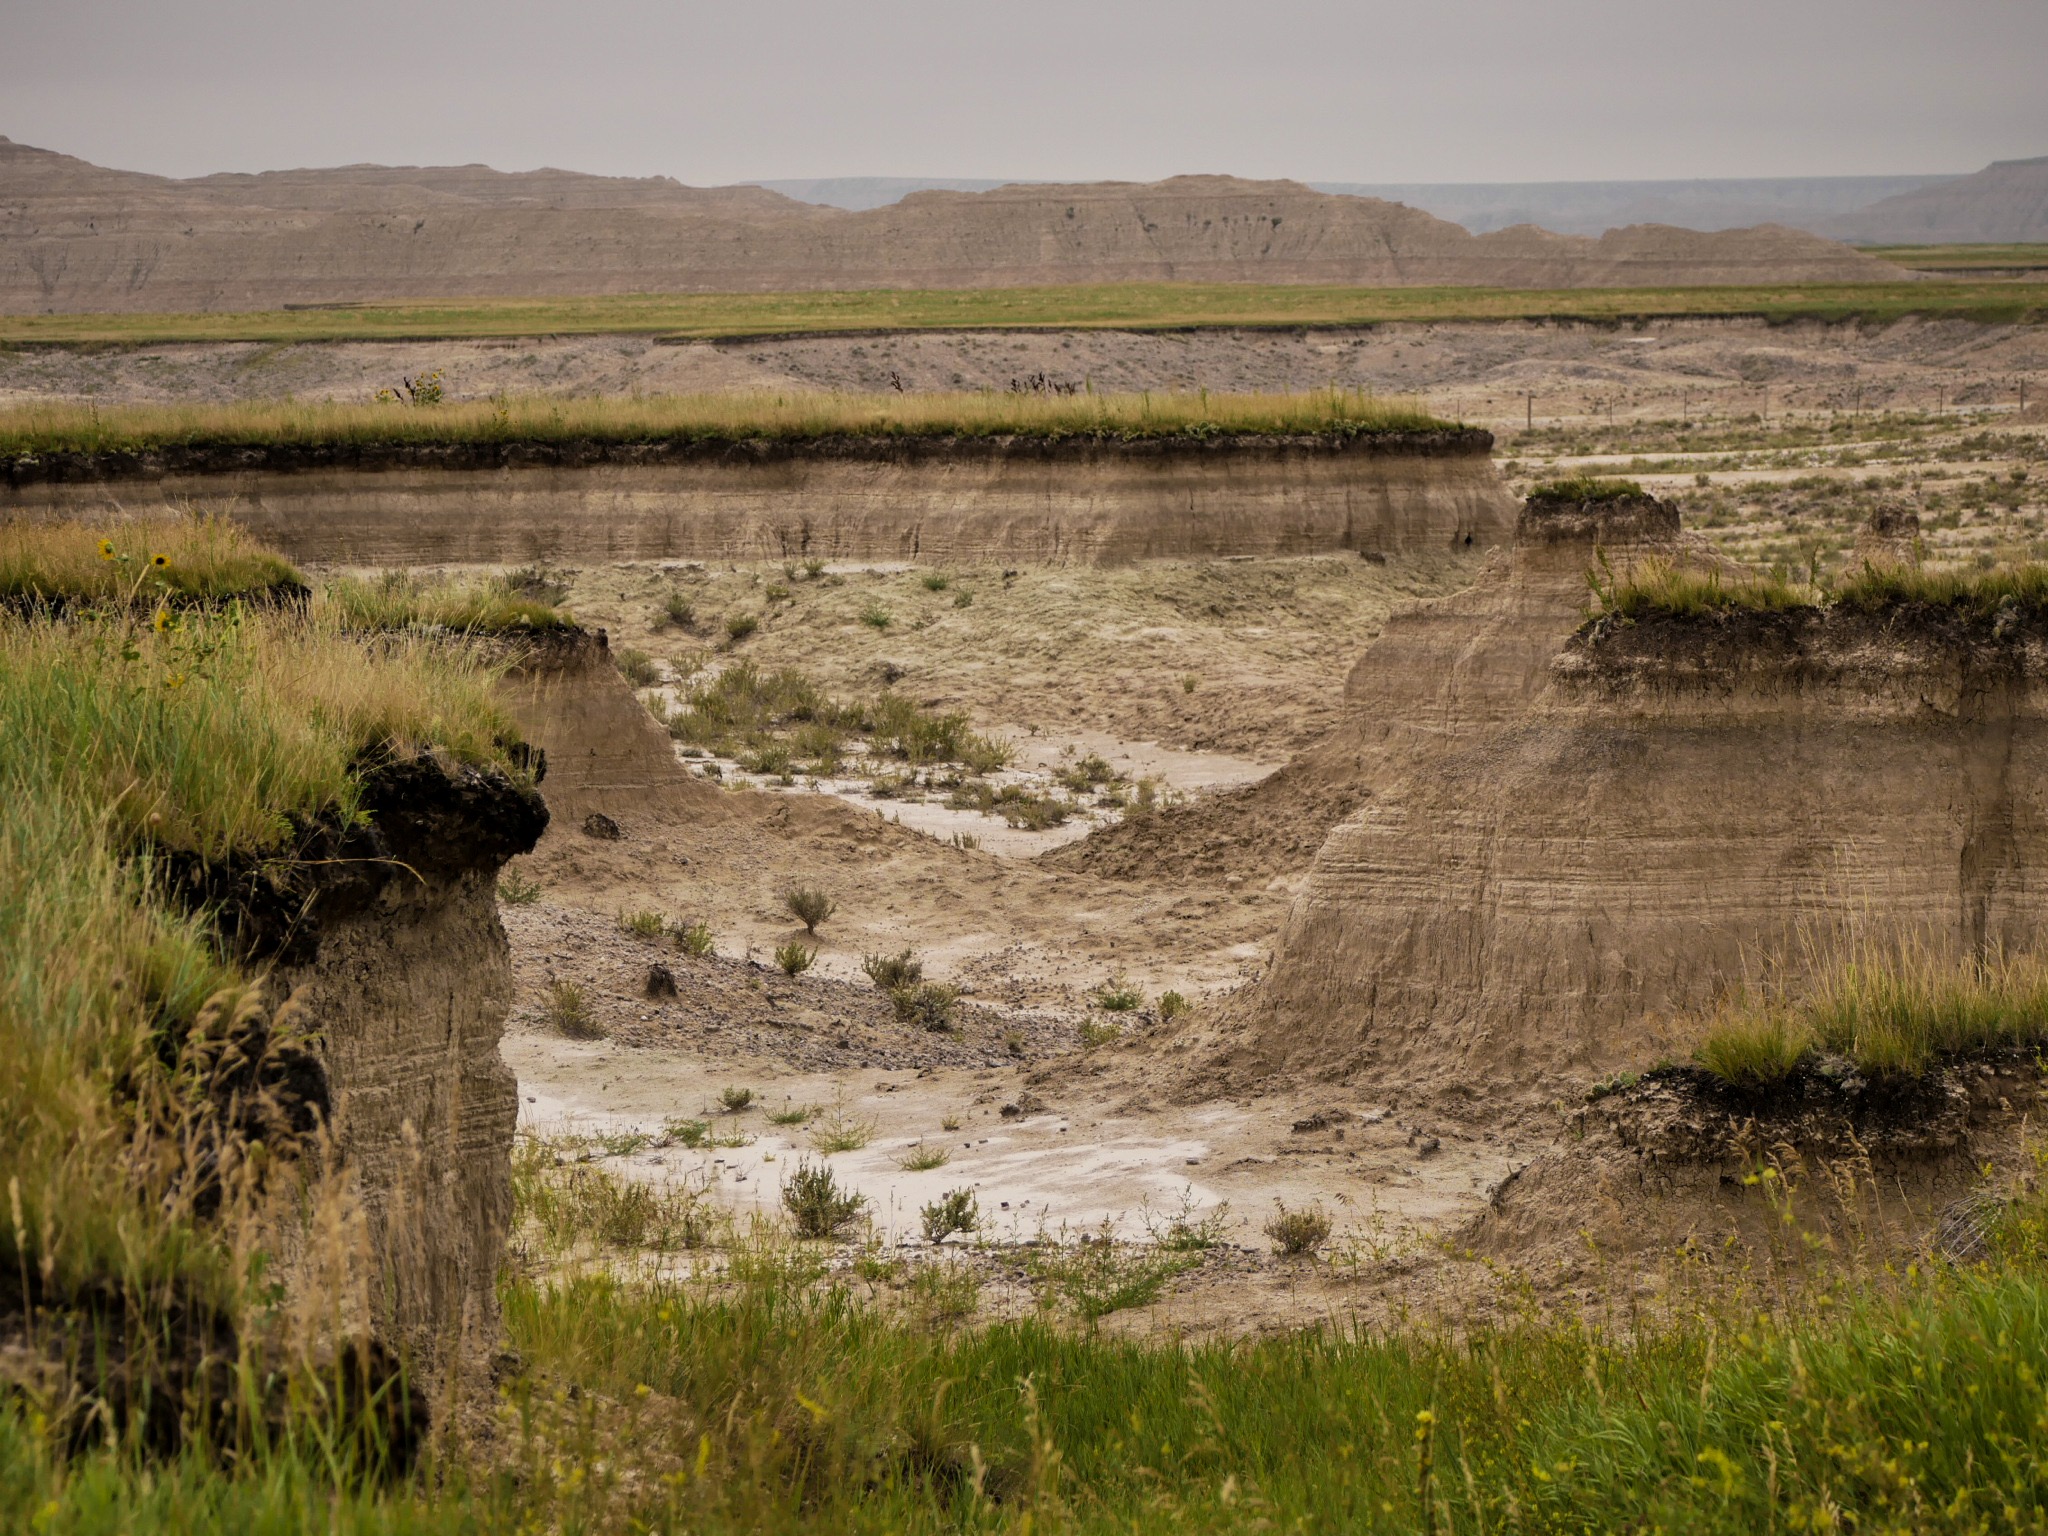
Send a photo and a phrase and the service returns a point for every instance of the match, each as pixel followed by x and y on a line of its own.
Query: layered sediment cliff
pixel 386 937
pixel 938 501
pixel 1577 837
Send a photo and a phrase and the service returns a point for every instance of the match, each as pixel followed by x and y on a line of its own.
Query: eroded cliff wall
pixel 938 503
pixel 1574 845
pixel 386 937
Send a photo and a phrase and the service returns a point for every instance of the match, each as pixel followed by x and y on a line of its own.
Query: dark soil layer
pixel 218 458
pixel 1721 645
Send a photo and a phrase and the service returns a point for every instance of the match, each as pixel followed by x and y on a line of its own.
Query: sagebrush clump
pixel 809 905
pixel 817 1206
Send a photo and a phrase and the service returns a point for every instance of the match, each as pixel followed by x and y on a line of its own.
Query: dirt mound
pixel 1680 1170
pixel 78 237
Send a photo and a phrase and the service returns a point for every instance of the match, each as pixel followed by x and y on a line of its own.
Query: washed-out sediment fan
pixel 75 236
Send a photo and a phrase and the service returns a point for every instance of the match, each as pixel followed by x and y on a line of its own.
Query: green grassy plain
pixel 1953 258
pixel 1104 306
pixel 741 416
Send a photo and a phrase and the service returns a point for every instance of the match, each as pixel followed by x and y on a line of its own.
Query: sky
pixel 1319 90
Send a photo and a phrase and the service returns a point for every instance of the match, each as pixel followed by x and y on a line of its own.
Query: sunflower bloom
pixel 106 549
pixel 162 620
pixel 161 562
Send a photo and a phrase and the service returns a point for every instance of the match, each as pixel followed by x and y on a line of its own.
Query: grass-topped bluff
pixel 706 419
pixel 138 735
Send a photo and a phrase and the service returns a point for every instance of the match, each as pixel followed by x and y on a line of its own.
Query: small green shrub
pixel 794 958
pixel 929 1004
pixel 794 1114
pixel 1098 1277
pixel 888 972
pixel 922 1159
pixel 1099 1032
pixel 1118 996
pixel 1172 1005
pixel 1186 1231
pixel 985 754
pixel 642 925
pixel 678 610
pixel 1189 682
pixel 813 569
pixel 568 1012
pixel 936 581
pixel 816 1204
pixel 688 1133
pixel 516 890
pixel 1084 775
pixel 1296 1232
pixel 963 600
pixel 694 940
pixel 842 1132
pixel 877 617
pixel 956 1210
pixel 809 906
pixel 736 1100
pixel 637 667
pixel 739 626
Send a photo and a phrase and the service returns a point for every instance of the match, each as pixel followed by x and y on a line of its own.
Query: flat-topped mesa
pixel 1578 839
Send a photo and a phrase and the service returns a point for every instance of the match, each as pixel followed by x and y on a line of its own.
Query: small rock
pixel 601 827
pixel 1428 1146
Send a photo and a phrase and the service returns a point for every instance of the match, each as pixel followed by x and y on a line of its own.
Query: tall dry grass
pixel 138 560
pixel 125 735
pixel 738 416
pixel 1894 1009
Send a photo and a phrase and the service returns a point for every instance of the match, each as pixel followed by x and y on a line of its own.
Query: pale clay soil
pixel 1197 675
pixel 1478 372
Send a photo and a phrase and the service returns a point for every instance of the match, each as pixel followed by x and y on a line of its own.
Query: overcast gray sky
pixel 1328 90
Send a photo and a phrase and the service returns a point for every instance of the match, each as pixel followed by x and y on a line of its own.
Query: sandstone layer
pixel 1571 847
pixel 1069 502
pixel 75 236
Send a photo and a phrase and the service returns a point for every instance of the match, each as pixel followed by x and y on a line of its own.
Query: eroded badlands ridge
pixel 75 236
pixel 1576 837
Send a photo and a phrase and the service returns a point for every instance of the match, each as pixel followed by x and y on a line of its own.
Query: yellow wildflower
pixel 106 549
pixel 162 621
pixel 161 562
